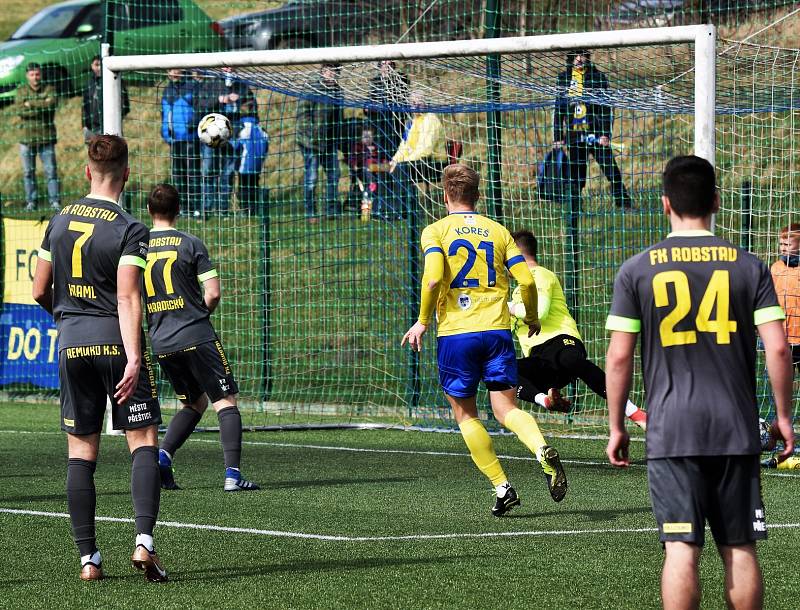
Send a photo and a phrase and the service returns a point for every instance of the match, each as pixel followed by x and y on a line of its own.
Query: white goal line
pixel 333 538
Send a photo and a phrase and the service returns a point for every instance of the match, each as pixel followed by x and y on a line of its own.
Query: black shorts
pixel 544 367
pixel 723 490
pixel 89 375
pixel 200 369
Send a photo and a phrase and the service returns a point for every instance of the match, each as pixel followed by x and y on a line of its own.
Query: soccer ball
pixel 765 433
pixel 214 130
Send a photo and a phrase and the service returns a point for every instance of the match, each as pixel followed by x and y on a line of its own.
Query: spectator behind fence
pixel 421 155
pixel 786 277
pixel 318 130
pixel 586 127
pixel 388 88
pixel 367 184
pixel 252 146
pixel 36 104
pixel 92 107
pixel 235 100
pixel 179 130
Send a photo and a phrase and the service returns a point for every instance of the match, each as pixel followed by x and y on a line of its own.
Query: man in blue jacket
pixel 178 129
pixel 252 145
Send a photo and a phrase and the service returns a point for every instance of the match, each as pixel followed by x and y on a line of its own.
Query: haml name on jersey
pixel 157 242
pixel 693 254
pixel 81 291
pixel 92 350
pixel 89 211
pixel 168 305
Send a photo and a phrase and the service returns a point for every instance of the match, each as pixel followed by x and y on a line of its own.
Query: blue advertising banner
pixel 28 337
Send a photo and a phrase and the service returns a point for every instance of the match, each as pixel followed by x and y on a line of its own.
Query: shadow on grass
pixel 591 515
pixel 303 566
pixel 336 482
pixel 59 497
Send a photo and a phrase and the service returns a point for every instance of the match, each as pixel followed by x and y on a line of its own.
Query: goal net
pixel 317 239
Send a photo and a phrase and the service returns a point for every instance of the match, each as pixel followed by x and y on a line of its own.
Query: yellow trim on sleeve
pixel 44 255
pixel 135 261
pixel 768 314
pixel 208 275
pixel 627 325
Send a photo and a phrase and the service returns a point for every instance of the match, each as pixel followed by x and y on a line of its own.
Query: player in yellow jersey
pixel 555 356
pixel 466 281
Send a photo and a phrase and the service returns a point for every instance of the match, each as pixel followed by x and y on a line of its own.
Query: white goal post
pixel 703 37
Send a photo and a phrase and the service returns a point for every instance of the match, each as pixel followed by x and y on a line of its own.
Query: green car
pixel 64 37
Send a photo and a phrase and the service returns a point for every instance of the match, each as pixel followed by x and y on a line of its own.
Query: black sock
pixel 230 435
pixel 81 500
pixel 145 488
pixel 180 428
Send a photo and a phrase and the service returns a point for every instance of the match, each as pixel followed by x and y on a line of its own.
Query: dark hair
pixel 574 53
pixel 690 186
pixel 461 183
pixel 526 242
pixel 108 155
pixel 337 68
pixel 164 201
pixel 96 58
pixel 32 66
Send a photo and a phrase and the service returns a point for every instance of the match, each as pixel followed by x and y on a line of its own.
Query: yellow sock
pixel 527 430
pixel 481 449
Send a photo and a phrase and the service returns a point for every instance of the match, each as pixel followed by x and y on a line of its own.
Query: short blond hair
pixel 461 184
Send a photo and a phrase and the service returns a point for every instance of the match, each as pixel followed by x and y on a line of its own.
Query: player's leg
pixel 27 153
pixel 744 585
pixel 48 155
pixel 737 520
pixel 83 405
pixel 680 583
pixel 538 383
pixel 678 493
pixel 209 367
pixel 500 376
pixel 176 368
pixel 571 358
pixel 330 161
pixel 146 494
pixel 310 173
pixel 459 358
pixel 139 417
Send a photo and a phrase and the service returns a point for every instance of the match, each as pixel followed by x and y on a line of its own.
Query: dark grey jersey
pixel 696 299
pixel 177 315
pixel 86 242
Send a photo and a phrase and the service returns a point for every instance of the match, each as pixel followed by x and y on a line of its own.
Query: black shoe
pixel 554 473
pixel 506 503
pixel 167 477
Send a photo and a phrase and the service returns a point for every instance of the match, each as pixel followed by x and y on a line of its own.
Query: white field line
pixel 404 538
pixel 598 464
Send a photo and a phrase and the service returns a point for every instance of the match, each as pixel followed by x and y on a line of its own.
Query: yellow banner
pixel 22 239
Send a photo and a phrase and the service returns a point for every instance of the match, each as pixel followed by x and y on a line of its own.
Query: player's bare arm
pixel 619 372
pixel 43 284
pixel 779 366
pixel 212 293
pixel 129 303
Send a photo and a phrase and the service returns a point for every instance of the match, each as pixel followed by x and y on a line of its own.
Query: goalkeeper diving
pixel 556 356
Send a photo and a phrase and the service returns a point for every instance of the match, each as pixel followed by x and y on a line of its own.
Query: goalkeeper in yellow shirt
pixel 555 356
pixel 467 259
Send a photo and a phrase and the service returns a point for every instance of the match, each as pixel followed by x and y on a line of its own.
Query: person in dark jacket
pixel 236 101
pixel 388 88
pixel 252 146
pixel 585 128
pixel 36 105
pixel 179 130
pixel 317 133
pixel 92 107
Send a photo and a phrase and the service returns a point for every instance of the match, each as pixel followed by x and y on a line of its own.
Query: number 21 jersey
pixel 477 255
pixel 696 300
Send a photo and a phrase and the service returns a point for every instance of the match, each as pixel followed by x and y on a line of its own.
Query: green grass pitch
pixel 395 520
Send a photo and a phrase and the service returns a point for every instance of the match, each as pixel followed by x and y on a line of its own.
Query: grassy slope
pixel 345 493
